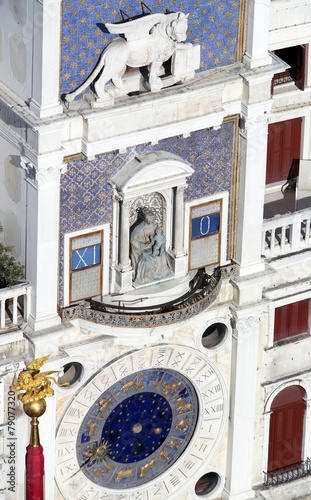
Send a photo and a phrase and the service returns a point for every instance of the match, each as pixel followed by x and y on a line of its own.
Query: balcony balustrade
pixel 203 290
pixel 14 306
pixel 285 234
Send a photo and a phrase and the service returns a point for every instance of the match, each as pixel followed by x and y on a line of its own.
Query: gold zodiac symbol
pixel 92 427
pixel 182 425
pixel 182 405
pixel 173 444
pixel 123 474
pixel 146 468
pixel 166 388
pixel 132 384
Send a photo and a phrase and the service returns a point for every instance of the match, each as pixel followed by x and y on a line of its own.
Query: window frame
pixel 272 390
pixel 288 309
pixel 76 272
pixel 222 234
pixel 67 272
pixel 296 73
pixel 279 427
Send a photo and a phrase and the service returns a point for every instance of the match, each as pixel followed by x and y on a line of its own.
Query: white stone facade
pixel 40 137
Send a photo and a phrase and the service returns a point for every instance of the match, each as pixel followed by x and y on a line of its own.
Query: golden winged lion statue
pixel 36 384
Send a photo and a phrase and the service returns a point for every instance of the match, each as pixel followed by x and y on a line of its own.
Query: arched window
pixel 286 428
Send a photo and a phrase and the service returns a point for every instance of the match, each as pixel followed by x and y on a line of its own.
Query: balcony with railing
pixel 14 306
pixel 284 234
pixel 284 230
pixel 288 474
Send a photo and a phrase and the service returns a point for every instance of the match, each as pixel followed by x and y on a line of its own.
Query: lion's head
pixel 178 27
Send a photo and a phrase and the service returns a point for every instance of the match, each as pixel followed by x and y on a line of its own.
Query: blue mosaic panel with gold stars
pixel 214 24
pixel 137 428
pixel 86 194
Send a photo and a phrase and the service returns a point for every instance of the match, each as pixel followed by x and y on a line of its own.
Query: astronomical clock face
pixel 141 427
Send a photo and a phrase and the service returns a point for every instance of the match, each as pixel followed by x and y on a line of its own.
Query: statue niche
pixel 149 259
pixel 149 41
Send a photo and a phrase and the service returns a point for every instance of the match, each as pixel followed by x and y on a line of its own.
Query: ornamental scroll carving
pixel 246 327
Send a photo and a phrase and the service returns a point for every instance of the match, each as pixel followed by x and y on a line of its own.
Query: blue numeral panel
pixel 85 257
pixel 205 225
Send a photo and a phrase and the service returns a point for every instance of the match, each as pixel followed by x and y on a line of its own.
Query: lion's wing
pixel 45 374
pixel 37 363
pixel 136 29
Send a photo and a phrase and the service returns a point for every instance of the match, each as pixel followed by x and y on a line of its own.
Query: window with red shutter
pixel 283 149
pixel 286 428
pixel 291 320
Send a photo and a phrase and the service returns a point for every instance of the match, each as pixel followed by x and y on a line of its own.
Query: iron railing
pixel 287 474
pixel 203 290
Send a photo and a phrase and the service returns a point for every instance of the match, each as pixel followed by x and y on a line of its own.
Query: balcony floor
pixel 278 203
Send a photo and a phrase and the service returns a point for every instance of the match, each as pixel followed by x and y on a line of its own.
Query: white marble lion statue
pixel 150 40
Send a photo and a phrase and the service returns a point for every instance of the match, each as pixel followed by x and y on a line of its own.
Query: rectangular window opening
pixel 86 266
pixel 291 320
pixel 294 76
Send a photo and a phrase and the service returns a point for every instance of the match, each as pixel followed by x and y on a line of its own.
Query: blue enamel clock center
pixel 137 428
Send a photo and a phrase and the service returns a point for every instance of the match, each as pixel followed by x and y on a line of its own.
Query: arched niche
pixel 154 182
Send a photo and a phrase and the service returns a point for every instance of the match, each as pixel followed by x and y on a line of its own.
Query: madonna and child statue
pixel 149 259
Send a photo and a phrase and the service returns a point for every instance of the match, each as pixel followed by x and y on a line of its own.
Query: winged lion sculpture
pixel 149 40
pixel 36 384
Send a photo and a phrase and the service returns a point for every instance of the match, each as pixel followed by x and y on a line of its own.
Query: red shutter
pixel 291 320
pixel 300 66
pixel 286 428
pixel 283 149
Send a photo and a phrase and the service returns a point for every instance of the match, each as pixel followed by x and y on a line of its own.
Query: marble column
pixel 307 428
pixel 251 196
pixel 46 58
pixel 42 242
pixel 243 405
pixel 124 258
pixel 122 269
pixel 178 229
pixel 257 54
pixel 305 136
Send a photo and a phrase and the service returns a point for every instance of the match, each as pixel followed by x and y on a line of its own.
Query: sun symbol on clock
pixel 97 453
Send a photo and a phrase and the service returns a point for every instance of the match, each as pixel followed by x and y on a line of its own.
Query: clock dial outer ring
pixel 213 411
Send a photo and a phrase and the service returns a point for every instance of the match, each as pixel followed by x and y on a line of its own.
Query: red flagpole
pixel 34 473
pixel 37 387
pixel 34 453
